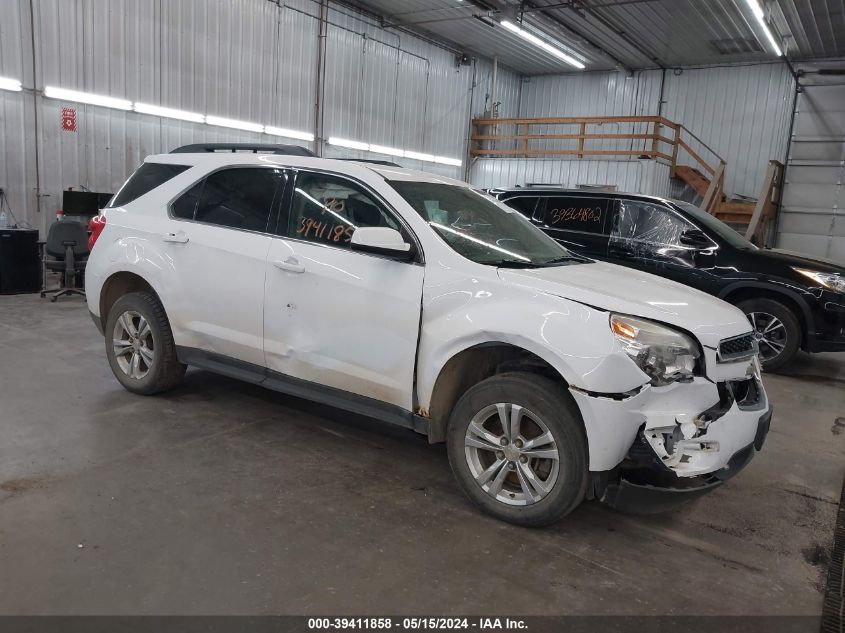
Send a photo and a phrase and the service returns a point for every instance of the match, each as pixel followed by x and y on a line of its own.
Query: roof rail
pixel 373 161
pixel 270 148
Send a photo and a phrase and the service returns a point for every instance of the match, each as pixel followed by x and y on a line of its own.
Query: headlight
pixel 664 354
pixel 831 281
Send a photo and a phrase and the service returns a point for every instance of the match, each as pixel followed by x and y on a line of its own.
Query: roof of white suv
pixel 213 160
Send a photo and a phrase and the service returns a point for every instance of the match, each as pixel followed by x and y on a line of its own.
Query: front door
pixel 647 236
pixel 217 243
pixel 337 317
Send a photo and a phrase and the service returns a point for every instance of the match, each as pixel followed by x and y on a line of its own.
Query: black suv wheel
pixel 777 330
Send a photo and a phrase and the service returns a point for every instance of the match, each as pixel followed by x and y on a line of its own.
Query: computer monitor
pixel 85 203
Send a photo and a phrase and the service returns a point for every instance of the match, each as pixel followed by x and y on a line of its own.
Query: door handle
pixel 291 264
pixel 178 237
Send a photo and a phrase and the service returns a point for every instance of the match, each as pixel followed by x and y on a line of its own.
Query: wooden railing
pixel 651 137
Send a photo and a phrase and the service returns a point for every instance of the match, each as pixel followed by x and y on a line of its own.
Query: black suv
pixel 794 302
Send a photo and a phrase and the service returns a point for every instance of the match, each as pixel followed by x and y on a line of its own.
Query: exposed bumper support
pixel 645 485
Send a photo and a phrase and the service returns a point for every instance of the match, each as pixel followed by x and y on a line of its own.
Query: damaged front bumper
pixel 653 449
pixel 643 484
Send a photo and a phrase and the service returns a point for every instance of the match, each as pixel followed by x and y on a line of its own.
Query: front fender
pixel 573 338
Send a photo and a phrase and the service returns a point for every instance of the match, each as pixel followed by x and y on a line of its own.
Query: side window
pixel 186 205
pixel 327 210
pixel 649 223
pixel 586 215
pixel 148 177
pixel 240 198
pixel 524 204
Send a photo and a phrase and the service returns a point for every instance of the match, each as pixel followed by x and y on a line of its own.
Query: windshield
pixel 717 226
pixel 481 228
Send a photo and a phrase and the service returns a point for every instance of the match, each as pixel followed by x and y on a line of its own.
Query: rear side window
pixel 240 198
pixel 148 177
pixel 586 215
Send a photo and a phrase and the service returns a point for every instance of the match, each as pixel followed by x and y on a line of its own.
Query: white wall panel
pixel 742 112
pixel 253 60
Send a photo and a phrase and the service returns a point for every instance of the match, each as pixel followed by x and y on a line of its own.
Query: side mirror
pixel 381 241
pixel 696 238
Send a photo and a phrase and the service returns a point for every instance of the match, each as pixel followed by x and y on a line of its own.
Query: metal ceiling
pixel 626 34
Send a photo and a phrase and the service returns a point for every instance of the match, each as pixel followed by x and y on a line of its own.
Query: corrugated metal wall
pixel 742 112
pixel 252 60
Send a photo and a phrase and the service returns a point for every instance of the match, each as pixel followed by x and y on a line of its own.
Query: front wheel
pixel 139 345
pixel 517 446
pixel 776 329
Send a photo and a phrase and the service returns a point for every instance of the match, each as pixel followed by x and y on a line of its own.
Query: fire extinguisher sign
pixel 69 119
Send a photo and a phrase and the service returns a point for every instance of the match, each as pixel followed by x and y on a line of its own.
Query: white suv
pixel 422 301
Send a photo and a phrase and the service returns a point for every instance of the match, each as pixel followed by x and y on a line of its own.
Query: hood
pixel 618 289
pixel 799 260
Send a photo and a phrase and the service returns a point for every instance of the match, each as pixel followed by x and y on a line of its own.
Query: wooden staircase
pixel 753 218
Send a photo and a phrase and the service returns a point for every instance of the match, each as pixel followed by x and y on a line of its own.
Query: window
pixel 584 214
pixel 185 207
pixel 646 222
pixel 145 179
pixel 481 228
pixel 524 204
pixel 716 226
pixel 327 210
pixel 240 198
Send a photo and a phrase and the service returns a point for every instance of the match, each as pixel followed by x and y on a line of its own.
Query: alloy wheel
pixel 132 342
pixel 770 333
pixel 512 454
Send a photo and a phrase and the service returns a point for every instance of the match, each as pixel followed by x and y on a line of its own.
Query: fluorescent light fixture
pixel 343 142
pixel 393 151
pixel 10 84
pixel 234 124
pixel 757 10
pixel 86 97
pixel 389 151
pixel 447 161
pixel 169 113
pixel 280 131
pixel 429 158
pixel 513 28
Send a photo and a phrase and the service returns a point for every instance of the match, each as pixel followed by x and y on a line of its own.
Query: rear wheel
pixel 517 447
pixel 139 345
pixel 776 329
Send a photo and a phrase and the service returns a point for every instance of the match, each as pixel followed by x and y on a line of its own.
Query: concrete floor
pixel 224 498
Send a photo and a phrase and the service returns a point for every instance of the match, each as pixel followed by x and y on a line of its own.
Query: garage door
pixel 812 217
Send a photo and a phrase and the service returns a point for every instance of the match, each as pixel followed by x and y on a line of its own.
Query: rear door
pixel 580 223
pixel 217 245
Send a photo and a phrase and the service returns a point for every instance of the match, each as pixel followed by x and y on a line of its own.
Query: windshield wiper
pixel 565 258
pixel 511 263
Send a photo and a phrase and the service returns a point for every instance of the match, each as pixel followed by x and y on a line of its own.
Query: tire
pixel 546 407
pixel 781 342
pixel 158 368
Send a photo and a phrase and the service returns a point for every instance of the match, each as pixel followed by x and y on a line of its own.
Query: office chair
pixel 67 243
